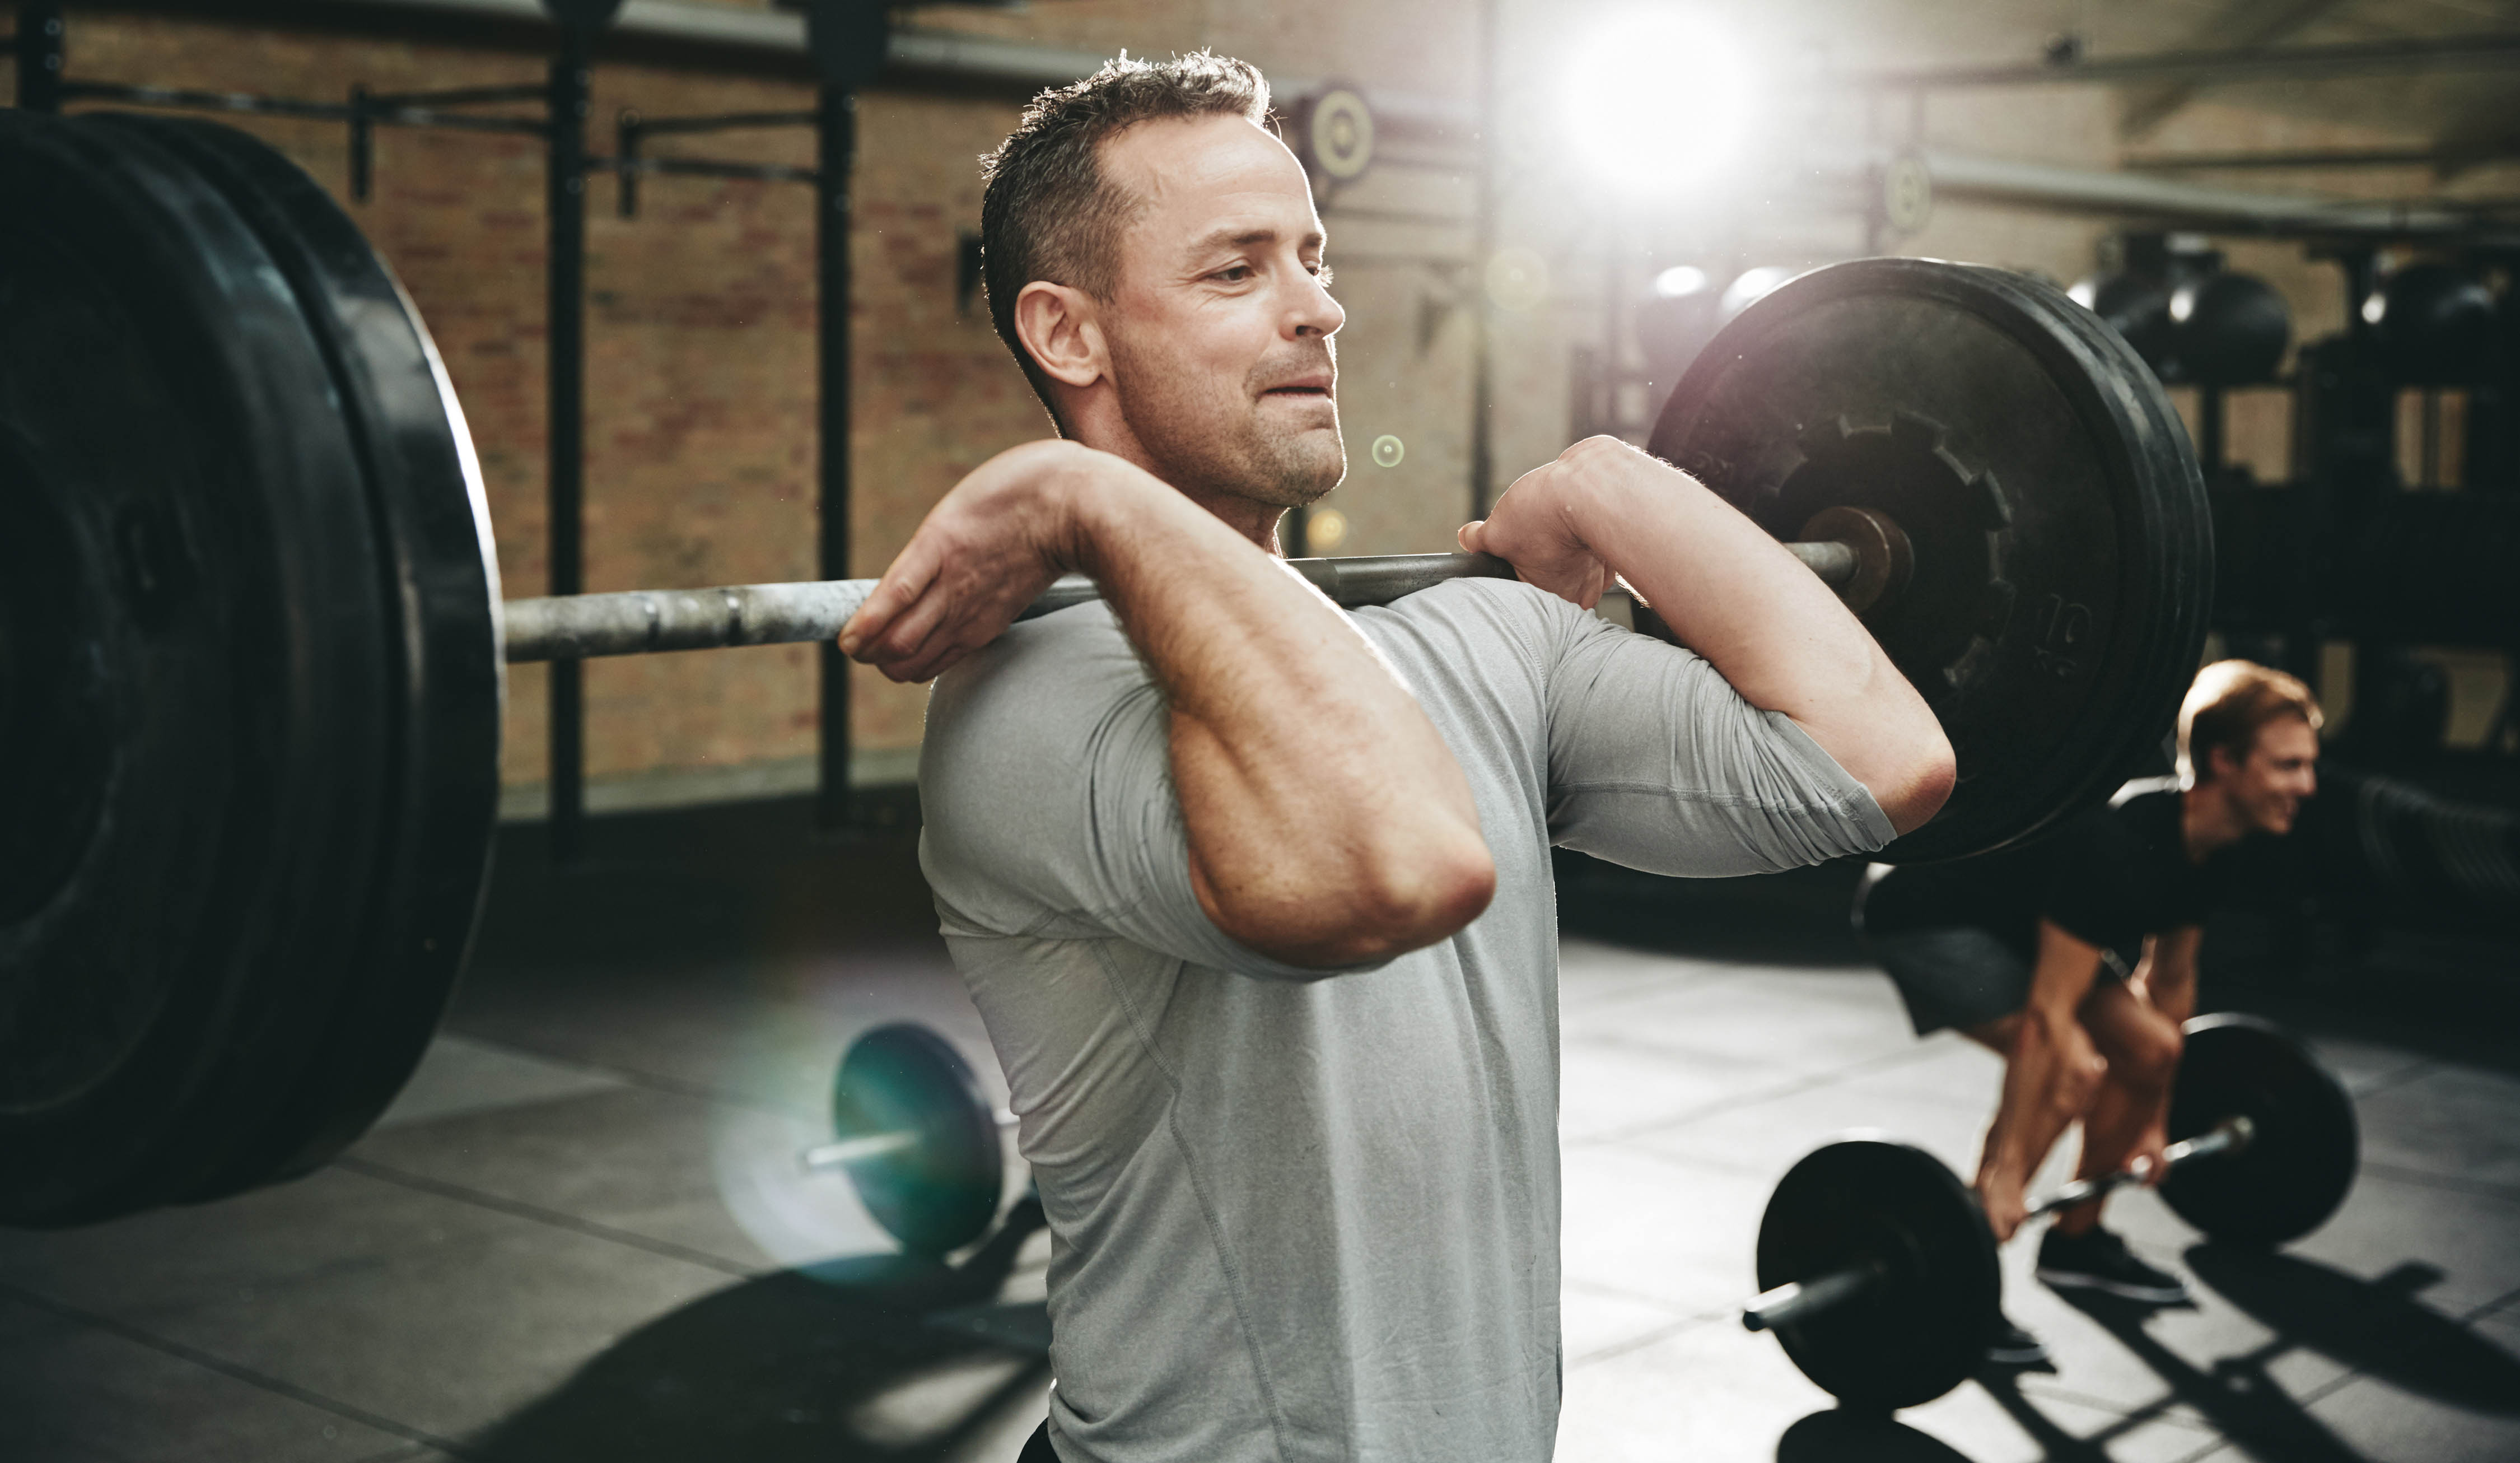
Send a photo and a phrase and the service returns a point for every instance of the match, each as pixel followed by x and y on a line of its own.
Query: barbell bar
pixel 252 666
pixel 1798 1301
pixel 646 622
pixel 1879 1269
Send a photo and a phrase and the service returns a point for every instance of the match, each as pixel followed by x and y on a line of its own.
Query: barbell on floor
pixel 916 1137
pixel 1879 1273
pixel 251 664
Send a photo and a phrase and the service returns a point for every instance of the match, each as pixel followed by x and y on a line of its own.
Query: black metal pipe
pixel 566 363
pixel 39 56
pixel 1483 243
pixel 2440 52
pixel 363 145
pixel 465 96
pixel 725 121
pixel 370 114
pixel 705 167
pixel 836 151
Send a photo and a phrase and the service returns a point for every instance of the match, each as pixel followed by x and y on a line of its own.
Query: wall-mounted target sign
pixel 1906 194
pixel 1335 132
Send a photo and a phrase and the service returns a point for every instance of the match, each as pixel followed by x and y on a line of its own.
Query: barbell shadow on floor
pixel 785 1368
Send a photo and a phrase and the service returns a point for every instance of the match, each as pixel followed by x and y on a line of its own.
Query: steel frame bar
pixel 2442 53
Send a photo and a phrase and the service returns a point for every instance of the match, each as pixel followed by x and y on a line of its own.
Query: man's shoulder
pixel 1476 613
pixel 1075 648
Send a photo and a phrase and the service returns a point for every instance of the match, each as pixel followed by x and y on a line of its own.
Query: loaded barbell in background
pixel 252 660
pixel 916 1137
pixel 1879 1270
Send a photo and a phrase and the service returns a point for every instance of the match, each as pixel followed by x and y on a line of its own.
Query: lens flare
pixel 1656 100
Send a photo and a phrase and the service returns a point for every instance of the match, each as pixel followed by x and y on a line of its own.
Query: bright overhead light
pixel 1656 99
pixel 1679 280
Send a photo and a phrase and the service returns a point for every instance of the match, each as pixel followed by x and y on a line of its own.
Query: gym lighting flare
pixel 1657 99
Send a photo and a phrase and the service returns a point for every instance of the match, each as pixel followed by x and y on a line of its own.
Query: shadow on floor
pixel 2374 1326
pixel 1857 1437
pixel 832 1363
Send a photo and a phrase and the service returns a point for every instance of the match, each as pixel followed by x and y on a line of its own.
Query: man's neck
pixel 1255 520
pixel 2208 823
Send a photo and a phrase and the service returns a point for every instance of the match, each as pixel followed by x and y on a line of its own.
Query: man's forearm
pixel 1774 630
pixel 2043 1095
pixel 1328 823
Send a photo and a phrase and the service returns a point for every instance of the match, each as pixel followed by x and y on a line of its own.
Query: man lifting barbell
pixel 260 648
pixel 2074 959
pixel 1255 899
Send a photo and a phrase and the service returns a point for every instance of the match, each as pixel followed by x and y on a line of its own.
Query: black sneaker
pixel 2097 1260
pixel 2014 1346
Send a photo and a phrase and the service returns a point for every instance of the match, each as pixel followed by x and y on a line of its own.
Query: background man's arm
pixel 1328 825
pixel 2168 979
pixel 2048 1077
pixel 1733 595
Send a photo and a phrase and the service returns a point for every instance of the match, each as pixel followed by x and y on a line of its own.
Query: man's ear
pixel 1058 326
pixel 2220 765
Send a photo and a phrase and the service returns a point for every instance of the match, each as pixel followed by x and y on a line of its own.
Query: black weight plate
pixel 434 557
pixel 206 616
pixel 2299 1164
pixel 1925 1326
pixel 940 1192
pixel 2062 538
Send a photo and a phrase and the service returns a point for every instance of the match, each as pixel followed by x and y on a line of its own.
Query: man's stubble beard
pixel 1280 468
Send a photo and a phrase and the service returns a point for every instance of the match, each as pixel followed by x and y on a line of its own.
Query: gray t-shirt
pixel 1297 1214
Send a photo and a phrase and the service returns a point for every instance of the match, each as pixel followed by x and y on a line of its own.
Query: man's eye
pixel 1234 273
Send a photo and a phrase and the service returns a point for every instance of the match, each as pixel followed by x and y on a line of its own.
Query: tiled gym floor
pixel 581 1234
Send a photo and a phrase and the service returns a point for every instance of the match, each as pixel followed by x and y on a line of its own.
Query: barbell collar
pixel 1797 1300
pixel 2230 1135
pixel 647 621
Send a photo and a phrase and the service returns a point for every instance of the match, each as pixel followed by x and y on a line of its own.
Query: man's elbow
pixel 1374 909
pixel 1913 788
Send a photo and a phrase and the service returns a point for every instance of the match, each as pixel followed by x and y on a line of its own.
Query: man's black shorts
pixel 1958 976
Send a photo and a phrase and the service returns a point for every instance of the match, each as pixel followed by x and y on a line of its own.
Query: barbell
pixel 252 646
pixel 916 1138
pixel 1878 1267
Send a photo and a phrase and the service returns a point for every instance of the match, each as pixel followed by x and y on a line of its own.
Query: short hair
pixel 2229 703
pixel 1049 213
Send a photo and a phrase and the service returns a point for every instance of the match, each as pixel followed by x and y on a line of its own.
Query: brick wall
pixel 701 438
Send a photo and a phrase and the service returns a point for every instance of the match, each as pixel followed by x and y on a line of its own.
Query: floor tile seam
pixel 537 1213
pixel 1605 1290
pixel 2170 1407
pixel 1714 975
pixel 1794 1088
pixel 2491 1309
pixel 644 1081
pixel 234 1371
pixel 2419 1178
pixel 1640 1341
pixel 2395 1077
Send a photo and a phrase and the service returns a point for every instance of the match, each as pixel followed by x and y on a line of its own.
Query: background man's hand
pixel 1533 529
pixel 2005 1202
pixel 984 552
pixel 2151 1155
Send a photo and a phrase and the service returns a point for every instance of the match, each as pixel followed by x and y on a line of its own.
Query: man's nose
pixel 1314 312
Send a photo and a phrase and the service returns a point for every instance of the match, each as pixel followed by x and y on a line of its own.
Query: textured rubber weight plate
pixel 938 1191
pixel 193 694
pixel 2301 1161
pixel 1924 1327
pixel 361 1027
pixel 2063 545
